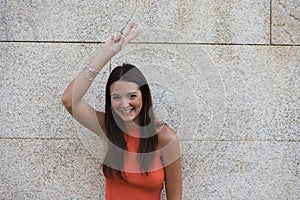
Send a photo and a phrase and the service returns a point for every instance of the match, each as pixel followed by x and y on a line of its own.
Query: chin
pixel 127 119
pixel 131 119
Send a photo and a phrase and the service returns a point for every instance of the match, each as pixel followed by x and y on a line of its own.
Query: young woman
pixel 142 154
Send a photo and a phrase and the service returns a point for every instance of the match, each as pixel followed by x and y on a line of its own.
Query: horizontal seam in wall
pixel 150 43
pixel 35 138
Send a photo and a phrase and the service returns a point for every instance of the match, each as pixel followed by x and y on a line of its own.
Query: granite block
pixel 262 91
pixel 53 20
pixel 286 22
pixel 49 169
pixel 34 78
pixel 208 21
pixel 240 170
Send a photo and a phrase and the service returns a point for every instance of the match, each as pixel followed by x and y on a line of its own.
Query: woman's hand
pixel 112 46
pixel 118 41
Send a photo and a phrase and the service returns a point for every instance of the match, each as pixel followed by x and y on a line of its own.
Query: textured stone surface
pixel 235 107
pixel 241 170
pixel 53 20
pixel 48 169
pixel 238 21
pixel 34 77
pixel 262 91
pixel 286 22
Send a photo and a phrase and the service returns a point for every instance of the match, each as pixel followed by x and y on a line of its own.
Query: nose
pixel 124 102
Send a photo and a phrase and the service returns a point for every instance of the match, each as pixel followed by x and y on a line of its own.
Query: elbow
pixel 66 98
pixel 67 102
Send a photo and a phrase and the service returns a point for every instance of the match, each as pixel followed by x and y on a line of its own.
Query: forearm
pixel 80 85
pixel 84 79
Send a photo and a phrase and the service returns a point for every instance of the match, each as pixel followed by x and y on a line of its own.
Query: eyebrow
pixel 129 93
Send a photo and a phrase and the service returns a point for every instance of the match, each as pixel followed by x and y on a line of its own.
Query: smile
pixel 127 111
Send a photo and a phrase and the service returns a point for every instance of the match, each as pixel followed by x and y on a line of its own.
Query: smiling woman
pixel 142 154
pixel 125 103
pixel 126 97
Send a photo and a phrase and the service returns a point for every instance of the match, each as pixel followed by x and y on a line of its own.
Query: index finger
pixel 128 30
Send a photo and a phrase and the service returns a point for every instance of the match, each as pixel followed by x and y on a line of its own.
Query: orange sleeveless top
pixel 138 185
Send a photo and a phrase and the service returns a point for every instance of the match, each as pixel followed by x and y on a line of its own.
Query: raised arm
pixel 72 97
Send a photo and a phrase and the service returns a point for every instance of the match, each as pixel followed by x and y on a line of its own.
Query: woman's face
pixel 126 100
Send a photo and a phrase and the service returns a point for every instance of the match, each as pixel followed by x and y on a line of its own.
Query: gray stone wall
pixel 224 75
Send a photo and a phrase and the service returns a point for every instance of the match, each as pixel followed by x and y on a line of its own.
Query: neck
pixel 131 124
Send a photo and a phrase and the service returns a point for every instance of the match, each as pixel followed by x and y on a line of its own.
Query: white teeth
pixel 127 111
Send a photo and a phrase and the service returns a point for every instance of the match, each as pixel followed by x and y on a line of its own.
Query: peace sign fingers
pixel 127 35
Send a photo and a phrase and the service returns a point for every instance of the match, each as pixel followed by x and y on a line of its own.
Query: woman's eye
pixel 116 98
pixel 133 96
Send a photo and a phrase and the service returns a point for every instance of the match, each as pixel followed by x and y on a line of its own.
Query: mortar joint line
pixel 151 43
pixel 271 22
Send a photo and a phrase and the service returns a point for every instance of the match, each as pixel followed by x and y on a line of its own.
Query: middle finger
pixel 127 31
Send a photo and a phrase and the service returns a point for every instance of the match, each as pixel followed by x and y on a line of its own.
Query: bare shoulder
pixel 165 135
pixel 168 145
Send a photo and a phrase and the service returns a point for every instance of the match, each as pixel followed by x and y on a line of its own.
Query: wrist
pixel 101 59
pixel 106 53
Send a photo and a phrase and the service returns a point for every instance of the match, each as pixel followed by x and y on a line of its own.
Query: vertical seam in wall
pixel 4 19
pixel 271 22
pixel 109 66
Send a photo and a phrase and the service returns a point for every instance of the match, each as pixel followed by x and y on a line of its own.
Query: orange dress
pixel 138 185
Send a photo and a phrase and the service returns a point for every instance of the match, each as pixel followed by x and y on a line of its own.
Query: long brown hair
pixel 114 159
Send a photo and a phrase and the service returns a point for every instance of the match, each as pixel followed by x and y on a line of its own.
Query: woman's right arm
pixel 72 97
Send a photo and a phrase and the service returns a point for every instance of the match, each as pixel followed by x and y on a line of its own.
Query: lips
pixel 127 111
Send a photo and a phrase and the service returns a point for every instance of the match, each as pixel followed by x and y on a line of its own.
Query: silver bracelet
pixel 92 70
pixel 86 76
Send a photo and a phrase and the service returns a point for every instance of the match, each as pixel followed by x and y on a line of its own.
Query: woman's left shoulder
pixel 165 134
